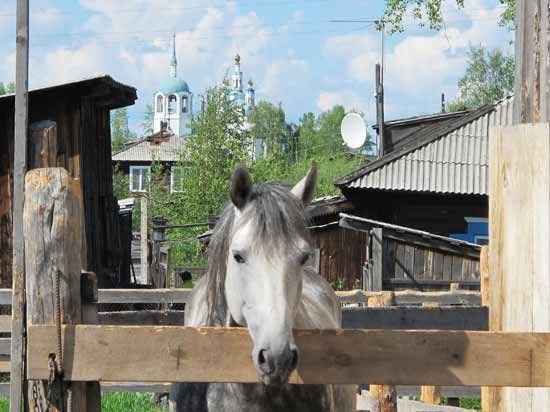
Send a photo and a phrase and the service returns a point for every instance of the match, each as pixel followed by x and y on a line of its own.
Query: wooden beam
pixel 143 317
pixel 144 295
pixel 18 344
pixel 144 246
pixel 411 317
pixel 169 353
pixel 413 297
pixel 5 323
pixel 376 263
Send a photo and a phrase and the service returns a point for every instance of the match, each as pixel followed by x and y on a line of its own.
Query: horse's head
pixel 265 261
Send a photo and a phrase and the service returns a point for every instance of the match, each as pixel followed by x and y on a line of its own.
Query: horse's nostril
pixel 294 360
pixel 261 357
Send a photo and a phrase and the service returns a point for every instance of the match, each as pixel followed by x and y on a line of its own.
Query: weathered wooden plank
pixel 375 278
pixel 144 295
pixel 429 393
pixel 5 346
pixel 53 226
pixel 399 260
pixel 413 297
pixel 409 262
pixel 419 258
pixel 143 317
pixel 168 354
pixel 5 323
pixel 410 317
pixel 519 212
pixel 109 387
pixel 456 268
pixel 431 283
pixel 446 391
pixel 447 267
pixel 389 259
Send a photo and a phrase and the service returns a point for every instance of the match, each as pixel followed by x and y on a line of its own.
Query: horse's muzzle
pixel 274 367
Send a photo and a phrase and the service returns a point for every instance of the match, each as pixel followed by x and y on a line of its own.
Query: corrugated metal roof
pixel 455 162
pixel 147 151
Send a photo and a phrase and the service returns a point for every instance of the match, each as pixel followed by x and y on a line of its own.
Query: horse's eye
pixel 304 257
pixel 238 258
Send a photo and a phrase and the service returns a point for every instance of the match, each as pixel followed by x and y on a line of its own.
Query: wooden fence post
pixel 430 394
pixel 490 396
pixel 144 246
pixel 386 394
pixel 374 281
pixel 53 225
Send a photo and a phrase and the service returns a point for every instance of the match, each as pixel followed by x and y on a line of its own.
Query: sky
pixel 290 48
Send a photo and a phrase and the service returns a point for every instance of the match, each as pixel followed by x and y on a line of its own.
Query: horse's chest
pixel 255 398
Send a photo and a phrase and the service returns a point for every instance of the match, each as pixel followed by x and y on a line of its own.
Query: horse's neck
pixel 319 307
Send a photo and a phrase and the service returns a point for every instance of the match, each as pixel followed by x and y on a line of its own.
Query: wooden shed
pixel 70 128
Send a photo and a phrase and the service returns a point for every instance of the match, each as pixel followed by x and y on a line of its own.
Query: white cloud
pixel 283 76
pixel 421 63
pixel 350 100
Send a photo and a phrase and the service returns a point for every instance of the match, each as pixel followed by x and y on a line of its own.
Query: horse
pixel 258 278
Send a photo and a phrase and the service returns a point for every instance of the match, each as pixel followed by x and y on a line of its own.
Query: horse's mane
pixel 278 218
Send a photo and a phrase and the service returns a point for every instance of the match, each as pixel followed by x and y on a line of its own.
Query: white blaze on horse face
pixel 263 288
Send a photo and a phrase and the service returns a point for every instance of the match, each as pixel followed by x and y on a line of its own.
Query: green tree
pixel 2 89
pixel 429 13
pixel 10 88
pixel 219 141
pixel 489 77
pixel 328 130
pixel 147 123
pixel 268 124
pixel 120 132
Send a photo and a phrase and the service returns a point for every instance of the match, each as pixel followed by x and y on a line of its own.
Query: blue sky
pixel 291 50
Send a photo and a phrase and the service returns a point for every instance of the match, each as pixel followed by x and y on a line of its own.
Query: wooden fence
pixel 401 257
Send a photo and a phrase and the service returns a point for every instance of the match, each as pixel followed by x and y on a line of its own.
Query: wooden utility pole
pixel 18 344
pixel 380 109
pixel 531 89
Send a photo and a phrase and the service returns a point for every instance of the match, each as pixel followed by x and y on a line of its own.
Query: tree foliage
pixel 147 123
pixel 120 132
pixel 489 77
pixel 429 13
pixel 8 89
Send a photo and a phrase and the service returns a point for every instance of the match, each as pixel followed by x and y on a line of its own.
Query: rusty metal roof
pixel 447 158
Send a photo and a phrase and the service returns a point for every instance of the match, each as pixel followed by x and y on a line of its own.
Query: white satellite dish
pixel 354 130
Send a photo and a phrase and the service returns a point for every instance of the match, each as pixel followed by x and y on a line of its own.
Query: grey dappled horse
pixel 257 278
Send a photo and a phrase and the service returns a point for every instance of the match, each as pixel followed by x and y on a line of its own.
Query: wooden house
pixel 432 178
pixel 70 128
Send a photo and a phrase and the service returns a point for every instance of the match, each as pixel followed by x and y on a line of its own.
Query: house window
pixel 172 103
pixel 184 105
pixel 177 179
pixel 139 178
pixel 160 104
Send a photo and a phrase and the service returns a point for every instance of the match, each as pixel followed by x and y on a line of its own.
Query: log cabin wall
pixel 83 147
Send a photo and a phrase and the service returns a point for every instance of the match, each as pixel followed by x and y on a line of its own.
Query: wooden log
pixel 519 231
pixel 53 243
pixel 386 394
pixel 430 394
pixel 168 354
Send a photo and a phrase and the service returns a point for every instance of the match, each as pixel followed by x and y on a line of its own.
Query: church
pixel 172 121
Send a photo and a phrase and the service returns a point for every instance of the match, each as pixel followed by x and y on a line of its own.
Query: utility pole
pixel 380 109
pixel 532 84
pixel 18 335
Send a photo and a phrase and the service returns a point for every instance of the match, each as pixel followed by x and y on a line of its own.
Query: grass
pixel 117 402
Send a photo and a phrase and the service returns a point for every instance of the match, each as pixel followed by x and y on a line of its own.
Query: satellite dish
pixel 354 130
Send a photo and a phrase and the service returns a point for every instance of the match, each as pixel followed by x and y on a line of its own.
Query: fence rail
pixel 406 297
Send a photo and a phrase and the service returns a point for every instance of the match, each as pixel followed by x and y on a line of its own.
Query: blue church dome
pixel 173 85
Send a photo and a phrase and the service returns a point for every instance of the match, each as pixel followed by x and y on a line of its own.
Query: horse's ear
pixel 241 187
pixel 305 188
